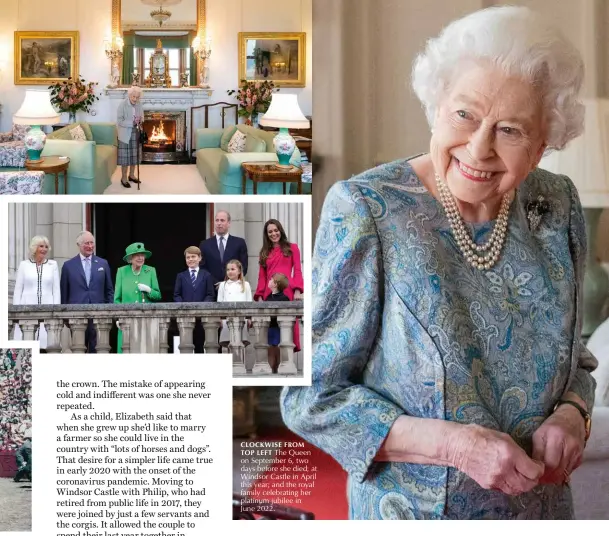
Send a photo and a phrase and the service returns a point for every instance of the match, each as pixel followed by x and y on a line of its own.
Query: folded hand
pixel 494 460
pixel 559 444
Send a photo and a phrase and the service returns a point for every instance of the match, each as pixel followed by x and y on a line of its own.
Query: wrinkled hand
pixel 494 460
pixel 559 444
pixel 297 295
pixel 143 288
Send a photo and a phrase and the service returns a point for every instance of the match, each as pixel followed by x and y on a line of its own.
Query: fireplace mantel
pixel 182 95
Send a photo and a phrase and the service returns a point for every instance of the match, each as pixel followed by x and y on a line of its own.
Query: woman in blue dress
pixel 449 377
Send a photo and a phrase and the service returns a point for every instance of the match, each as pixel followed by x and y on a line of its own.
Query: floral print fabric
pixel 402 324
pixel 12 146
pixel 21 182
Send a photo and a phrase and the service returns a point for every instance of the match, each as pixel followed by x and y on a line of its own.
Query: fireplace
pixel 166 136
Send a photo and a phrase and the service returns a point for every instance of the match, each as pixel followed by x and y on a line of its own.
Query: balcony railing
pixel 145 328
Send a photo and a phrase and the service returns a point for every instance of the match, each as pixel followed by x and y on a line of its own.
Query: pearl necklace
pixel 473 252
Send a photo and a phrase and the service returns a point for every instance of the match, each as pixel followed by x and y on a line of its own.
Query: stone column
pixel 19 236
pixel 261 333
pixel 186 326
pixel 79 326
pixel 103 327
pixel 235 325
pixel 286 346
pixel 211 325
pixel 54 327
pixel 163 329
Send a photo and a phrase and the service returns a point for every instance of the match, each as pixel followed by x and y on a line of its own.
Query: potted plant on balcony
pixel 72 95
pixel 254 99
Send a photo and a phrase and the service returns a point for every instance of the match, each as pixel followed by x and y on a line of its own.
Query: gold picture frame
pixel 43 58
pixel 279 57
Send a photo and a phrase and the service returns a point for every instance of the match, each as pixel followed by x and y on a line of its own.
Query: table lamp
pixel 586 162
pixel 36 110
pixel 284 113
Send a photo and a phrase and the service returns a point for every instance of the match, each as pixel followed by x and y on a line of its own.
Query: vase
pixel 72 117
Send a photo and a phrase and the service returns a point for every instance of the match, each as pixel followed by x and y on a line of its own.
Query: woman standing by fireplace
pixel 130 115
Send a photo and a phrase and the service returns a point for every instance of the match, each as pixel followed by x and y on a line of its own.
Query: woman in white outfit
pixel 234 289
pixel 37 282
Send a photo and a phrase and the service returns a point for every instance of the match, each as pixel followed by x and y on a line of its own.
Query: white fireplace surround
pixel 163 100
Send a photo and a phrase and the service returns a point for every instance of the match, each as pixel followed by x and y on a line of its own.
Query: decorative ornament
pixel 535 211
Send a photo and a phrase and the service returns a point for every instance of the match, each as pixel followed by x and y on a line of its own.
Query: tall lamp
pixel 36 110
pixel 586 162
pixel 284 113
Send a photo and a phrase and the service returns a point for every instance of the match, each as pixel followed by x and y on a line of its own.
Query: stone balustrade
pixel 145 328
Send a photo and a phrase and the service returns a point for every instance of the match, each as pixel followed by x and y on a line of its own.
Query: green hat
pixel 136 247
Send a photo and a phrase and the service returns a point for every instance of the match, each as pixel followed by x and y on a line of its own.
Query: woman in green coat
pixel 136 282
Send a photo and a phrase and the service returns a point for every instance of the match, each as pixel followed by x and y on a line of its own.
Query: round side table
pixel 53 165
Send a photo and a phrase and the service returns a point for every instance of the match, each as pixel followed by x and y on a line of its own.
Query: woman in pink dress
pixel 278 255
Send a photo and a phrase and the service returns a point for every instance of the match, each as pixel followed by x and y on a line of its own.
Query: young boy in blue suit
pixel 194 285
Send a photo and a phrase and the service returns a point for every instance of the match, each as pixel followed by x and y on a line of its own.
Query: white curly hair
pixel 521 43
pixel 35 242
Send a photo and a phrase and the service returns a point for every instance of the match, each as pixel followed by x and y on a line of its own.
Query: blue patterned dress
pixel 402 324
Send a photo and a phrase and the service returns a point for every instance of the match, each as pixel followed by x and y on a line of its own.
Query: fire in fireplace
pixel 161 136
pixel 165 136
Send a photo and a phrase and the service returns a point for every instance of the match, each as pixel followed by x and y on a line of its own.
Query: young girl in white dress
pixel 234 289
pixel 37 283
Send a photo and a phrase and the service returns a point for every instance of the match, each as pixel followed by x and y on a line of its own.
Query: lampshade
pixel 284 112
pixel 36 109
pixel 586 159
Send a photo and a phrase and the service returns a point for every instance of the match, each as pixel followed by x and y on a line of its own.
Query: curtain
pixel 193 68
pixel 145 41
pixel 128 61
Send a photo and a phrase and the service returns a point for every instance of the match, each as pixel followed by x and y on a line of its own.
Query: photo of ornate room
pixel 155 97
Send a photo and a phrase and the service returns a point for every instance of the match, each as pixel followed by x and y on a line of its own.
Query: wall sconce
pixel 113 47
pixel 202 51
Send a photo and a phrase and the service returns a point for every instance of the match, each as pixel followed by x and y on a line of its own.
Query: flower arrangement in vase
pixel 254 98
pixel 72 95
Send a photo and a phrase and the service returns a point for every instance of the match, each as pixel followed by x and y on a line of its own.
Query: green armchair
pixel 92 162
pixel 221 170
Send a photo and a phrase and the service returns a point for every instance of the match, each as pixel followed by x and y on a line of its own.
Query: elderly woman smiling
pixel 449 378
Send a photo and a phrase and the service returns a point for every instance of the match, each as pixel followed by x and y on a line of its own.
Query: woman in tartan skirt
pixel 130 115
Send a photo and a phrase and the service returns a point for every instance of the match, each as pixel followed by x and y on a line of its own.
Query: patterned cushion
pixel 19 132
pixel 78 134
pixel 237 142
pixel 6 136
pixel 21 182
pixel 226 137
pixel 12 154
pixel 87 130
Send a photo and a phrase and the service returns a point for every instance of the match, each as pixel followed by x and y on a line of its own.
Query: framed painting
pixel 43 58
pixel 279 57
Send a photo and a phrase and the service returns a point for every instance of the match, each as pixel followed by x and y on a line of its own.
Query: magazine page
pixel 217 310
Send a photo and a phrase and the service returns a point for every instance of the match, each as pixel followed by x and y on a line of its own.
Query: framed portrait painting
pixel 279 57
pixel 43 58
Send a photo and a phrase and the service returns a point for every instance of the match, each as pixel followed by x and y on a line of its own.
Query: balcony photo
pixel 155 278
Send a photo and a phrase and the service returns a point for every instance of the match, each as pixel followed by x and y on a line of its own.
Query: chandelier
pixel 160 15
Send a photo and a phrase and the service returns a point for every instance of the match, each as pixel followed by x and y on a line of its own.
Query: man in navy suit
pixel 221 248
pixel 86 278
pixel 194 285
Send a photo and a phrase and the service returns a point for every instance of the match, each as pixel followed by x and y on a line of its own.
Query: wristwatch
pixel 583 413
